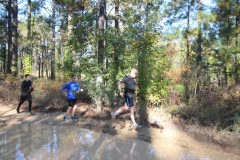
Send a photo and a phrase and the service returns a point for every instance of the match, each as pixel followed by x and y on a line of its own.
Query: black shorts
pixel 72 102
pixel 26 97
pixel 129 99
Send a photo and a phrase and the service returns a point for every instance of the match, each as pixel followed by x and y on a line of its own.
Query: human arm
pixel 120 89
pixel 31 87
pixel 79 89
pixel 64 89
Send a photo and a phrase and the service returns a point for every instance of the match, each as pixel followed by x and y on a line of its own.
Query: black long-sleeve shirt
pixel 26 87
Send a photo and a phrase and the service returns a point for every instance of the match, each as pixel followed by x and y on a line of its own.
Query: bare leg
pixel 74 109
pixel 122 109
pixel 132 110
pixel 68 111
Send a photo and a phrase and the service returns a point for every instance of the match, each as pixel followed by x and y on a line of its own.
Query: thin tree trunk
pixel 29 21
pixel 4 52
pixel 187 34
pixel 226 56
pixel 15 37
pixel 236 63
pixel 42 64
pixel 9 37
pixel 69 52
pixel 28 68
pixel 100 52
pixel 39 66
pixel 116 45
pixel 61 70
pixel 186 76
pixel 101 22
pixel 199 48
pixel 105 55
pixel 116 50
pixel 53 41
pixel 199 40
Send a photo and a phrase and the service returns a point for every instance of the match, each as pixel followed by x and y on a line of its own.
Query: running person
pixel 70 89
pixel 26 89
pixel 129 90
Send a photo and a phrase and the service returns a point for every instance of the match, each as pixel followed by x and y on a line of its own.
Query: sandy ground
pixel 160 131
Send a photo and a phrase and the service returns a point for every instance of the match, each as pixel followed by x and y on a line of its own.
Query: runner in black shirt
pixel 129 89
pixel 26 89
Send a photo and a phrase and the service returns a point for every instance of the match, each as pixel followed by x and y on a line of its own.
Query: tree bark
pixel 15 38
pixel 186 73
pixel 28 66
pixel 101 22
pixel 116 45
pixel 100 53
pixel 9 36
pixel 4 53
pixel 236 63
pixel 53 41
pixel 199 40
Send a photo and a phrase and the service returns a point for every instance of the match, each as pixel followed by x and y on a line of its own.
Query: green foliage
pixel 179 88
pixel 27 64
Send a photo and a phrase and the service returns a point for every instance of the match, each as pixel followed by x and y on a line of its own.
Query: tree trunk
pixel 42 66
pixel 187 32
pixel 226 56
pixel 39 66
pixel 199 40
pixel 236 63
pixel 53 41
pixel 100 53
pixel 9 36
pixel 101 22
pixel 29 21
pixel 15 37
pixel 186 75
pixel 69 52
pixel 4 52
pixel 28 66
pixel 116 45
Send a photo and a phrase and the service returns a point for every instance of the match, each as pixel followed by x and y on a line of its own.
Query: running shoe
pixel 65 118
pixel 74 119
pixel 31 113
pixel 114 115
pixel 136 126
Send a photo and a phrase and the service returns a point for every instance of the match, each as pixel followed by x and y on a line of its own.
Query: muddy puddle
pixel 61 142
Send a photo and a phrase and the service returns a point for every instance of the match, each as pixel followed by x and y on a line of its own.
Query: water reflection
pixel 42 142
pixel 28 141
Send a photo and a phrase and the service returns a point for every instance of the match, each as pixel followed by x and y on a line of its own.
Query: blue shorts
pixel 72 102
pixel 129 99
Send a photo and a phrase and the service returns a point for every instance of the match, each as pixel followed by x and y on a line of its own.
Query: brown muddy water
pixel 62 142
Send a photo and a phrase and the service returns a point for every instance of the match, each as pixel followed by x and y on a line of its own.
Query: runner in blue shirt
pixel 70 89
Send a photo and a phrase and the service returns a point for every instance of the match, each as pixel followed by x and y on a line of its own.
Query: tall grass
pixel 219 107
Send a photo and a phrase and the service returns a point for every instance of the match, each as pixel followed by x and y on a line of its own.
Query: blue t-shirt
pixel 71 88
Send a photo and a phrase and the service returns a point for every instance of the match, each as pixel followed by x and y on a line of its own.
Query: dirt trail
pixel 162 134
